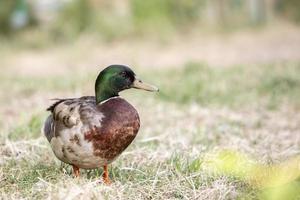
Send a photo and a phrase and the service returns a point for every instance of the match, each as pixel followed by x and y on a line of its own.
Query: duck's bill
pixel 139 84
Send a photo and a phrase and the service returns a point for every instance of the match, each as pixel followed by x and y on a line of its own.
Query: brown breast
pixel 118 128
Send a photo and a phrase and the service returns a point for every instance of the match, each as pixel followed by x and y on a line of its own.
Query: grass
pixel 233 86
pixel 195 82
pixel 27 130
pixel 200 111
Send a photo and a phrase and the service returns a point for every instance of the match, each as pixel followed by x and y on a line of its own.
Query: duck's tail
pixel 48 128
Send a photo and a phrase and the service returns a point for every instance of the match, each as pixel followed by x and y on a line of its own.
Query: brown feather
pixel 119 127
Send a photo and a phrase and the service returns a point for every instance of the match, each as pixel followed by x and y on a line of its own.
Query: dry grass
pixel 250 110
pixel 165 161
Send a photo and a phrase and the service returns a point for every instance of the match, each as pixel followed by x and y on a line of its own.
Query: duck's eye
pixel 123 74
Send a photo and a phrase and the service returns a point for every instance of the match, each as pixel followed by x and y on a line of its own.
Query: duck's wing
pixel 70 112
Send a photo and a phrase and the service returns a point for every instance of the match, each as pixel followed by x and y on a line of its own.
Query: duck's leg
pixel 106 179
pixel 76 171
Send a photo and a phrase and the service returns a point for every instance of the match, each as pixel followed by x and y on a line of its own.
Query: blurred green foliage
pixel 168 12
pixel 144 16
pixel 275 182
pixel 110 20
pixel 81 16
pixel 290 9
pixel 73 19
pixel 159 17
pixel 8 9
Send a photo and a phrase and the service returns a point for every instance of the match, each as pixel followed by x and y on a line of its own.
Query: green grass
pixel 27 130
pixel 235 86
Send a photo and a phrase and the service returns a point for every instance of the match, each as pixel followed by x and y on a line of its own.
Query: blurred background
pixel 217 32
pixel 114 19
pixel 195 40
pixel 229 78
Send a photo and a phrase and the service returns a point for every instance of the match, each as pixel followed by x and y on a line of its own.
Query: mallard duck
pixel 92 131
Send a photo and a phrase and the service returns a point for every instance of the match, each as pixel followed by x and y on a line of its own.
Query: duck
pixel 90 132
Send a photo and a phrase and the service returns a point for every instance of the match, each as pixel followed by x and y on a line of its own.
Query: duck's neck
pixel 104 95
pixel 104 91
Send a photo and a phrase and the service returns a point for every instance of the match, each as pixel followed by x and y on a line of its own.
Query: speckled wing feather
pixel 67 113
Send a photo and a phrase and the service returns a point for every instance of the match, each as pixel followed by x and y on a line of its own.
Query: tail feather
pixel 49 128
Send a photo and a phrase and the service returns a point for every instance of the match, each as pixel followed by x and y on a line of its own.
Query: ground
pixel 235 96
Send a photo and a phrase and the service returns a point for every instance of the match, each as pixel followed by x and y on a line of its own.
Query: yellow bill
pixel 139 84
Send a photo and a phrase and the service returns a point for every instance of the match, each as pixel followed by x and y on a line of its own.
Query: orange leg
pixel 76 171
pixel 106 179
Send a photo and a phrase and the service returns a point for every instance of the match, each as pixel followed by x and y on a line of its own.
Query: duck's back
pixel 90 135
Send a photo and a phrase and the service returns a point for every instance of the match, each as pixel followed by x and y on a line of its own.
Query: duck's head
pixel 116 78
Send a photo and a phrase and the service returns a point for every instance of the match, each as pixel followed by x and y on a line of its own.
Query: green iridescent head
pixel 116 78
